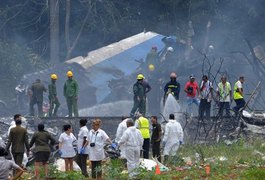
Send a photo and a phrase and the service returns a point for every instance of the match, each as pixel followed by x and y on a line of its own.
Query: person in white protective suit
pixel 173 137
pixel 132 141
pixel 120 130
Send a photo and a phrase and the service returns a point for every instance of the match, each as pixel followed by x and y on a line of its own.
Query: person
pixel 82 146
pixel 173 137
pixel 97 137
pixel 140 89
pixel 156 138
pixel 142 124
pixel 36 97
pixel 71 94
pixel 6 165
pixel 18 138
pixel 53 99
pixel 66 148
pixel 42 140
pixel 206 90
pixel 239 94
pixel 151 59
pixel 191 88
pixel 120 130
pixel 224 94
pixel 20 96
pixel 172 87
pixel 132 141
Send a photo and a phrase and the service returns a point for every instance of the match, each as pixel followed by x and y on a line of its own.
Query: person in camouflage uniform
pixel 36 97
pixel 140 89
pixel 71 94
pixel 53 99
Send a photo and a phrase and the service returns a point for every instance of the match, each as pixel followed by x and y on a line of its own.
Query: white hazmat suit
pixel 120 130
pixel 132 141
pixel 173 134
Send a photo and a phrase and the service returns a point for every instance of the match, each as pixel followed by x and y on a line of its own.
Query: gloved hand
pixel 180 142
pixel 60 152
pixel 114 145
pixel 82 150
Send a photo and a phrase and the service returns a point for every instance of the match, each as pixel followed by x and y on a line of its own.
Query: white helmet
pixel 170 49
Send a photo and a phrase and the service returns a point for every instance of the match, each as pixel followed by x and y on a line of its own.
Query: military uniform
pixel 37 90
pixel 54 102
pixel 71 94
pixel 18 138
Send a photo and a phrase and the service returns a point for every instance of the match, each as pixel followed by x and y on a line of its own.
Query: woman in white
pixel 66 148
pixel 97 138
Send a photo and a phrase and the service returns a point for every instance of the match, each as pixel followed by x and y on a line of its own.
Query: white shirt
pixel 131 137
pixel 98 137
pixel 67 145
pixel 83 132
pixel 5 166
pixel 120 130
pixel 206 89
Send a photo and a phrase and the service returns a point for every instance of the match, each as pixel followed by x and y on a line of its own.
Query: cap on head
pixel 151 67
pixel 69 74
pixel 173 75
pixel 3 152
pixel 140 76
pixel 54 77
pixel 170 49
pixel 192 76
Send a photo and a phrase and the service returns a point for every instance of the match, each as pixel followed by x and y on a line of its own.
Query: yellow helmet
pixel 54 76
pixel 69 74
pixel 151 67
pixel 140 76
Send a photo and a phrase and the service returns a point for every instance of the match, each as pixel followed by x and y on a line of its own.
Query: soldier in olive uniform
pixel 54 102
pixel 71 94
pixel 36 97
pixel 140 89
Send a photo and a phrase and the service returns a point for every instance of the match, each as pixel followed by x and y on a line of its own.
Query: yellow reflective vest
pixel 237 95
pixel 143 126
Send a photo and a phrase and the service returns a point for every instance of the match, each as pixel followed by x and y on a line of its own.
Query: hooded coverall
pixel 132 141
pixel 54 102
pixel 173 134
pixel 71 94
pixel 120 130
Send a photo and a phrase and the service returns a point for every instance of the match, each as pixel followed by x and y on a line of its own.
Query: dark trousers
pixel 96 169
pixel 140 105
pixel 54 105
pixel 222 106
pixel 72 106
pixel 81 161
pixel 146 146
pixel 34 101
pixel 156 150
pixel 18 158
pixel 239 104
pixel 204 108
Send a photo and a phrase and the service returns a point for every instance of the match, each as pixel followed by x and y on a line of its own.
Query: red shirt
pixel 191 85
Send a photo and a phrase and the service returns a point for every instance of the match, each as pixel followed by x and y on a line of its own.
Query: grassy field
pixel 239 160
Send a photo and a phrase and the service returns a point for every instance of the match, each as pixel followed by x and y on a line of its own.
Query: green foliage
pixel 254 174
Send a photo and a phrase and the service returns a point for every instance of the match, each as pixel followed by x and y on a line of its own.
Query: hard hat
pixel 69 74
pixel 173 75
pixel 54 76
pixel 140 76
pixel 151 67
pixel 170 49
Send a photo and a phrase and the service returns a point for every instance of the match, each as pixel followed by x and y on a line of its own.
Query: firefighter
pixel 140 89
pixel 53 99
pixel 71 94
pixel 172 87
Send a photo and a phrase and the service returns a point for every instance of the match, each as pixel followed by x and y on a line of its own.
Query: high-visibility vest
pixel 143 126
pixel 224 92
pixel 237 95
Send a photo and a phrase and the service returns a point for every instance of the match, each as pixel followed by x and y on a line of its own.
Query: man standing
pixel 18 138
pixel 172 87
pixel 224 93
pixel 71 94
pixel 156 138
pixel 132 141
pixel 142 124
pixel 151 59
pixel 120 130
pixel 206 89
pixel 191 88
pixel 173 137
pixel 54 102
pixel 36 97
pixel 140 89
pixel 238 94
